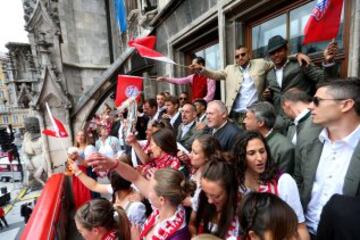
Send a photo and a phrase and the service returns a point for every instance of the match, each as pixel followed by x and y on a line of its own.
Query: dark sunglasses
pixel 317 100
pixel 182 98
pixel 241 54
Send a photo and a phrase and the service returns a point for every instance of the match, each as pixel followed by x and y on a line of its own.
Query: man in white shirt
pixel 330 164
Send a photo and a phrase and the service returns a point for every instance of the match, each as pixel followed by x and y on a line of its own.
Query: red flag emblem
pixel 128 86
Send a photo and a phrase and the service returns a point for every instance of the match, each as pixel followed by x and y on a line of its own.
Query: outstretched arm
pixel 211 87
pixel 101 163
pixel 184 80
pixel 88 181
pixel 132 141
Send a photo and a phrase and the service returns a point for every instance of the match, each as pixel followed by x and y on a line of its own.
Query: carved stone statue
pixel 35 164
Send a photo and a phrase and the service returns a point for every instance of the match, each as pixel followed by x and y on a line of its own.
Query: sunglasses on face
pixel 241 54
pixel 317 100
pixel 182 98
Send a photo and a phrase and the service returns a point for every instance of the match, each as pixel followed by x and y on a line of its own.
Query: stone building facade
pixel 78 49
pixel 17 85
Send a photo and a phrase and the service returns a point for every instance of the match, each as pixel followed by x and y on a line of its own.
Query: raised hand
pixel 161 79
pixel 302 58
pixel 100 162
pixel 131 138
pixel 330 52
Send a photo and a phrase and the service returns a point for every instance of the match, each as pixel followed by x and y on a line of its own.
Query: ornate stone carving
pixel 35 164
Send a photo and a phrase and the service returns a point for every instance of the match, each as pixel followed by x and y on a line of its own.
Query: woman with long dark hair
pixel 216 209
pixel 202 149
pixel 257 172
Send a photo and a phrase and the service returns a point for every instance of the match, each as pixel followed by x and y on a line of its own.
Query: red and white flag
pixel 148 42
pixel 59 130
pixel 324 21
pixel 143 46
pixel 128 86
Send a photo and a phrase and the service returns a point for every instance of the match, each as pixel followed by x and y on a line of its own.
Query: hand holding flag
pixel 59 130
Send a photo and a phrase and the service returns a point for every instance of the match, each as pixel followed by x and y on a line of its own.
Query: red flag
pixel 324 21
pixel 59 128
pixel 148 42
pixel 145 46
pixel 128 86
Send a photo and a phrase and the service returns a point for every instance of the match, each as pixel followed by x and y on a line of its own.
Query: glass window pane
pixel 211 56
pixel 263 32
pixel 298 19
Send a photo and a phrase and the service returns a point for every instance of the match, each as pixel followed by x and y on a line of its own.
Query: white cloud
pixel 12 23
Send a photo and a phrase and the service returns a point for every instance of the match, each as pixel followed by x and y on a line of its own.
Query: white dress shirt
pixel 185 128
pixel 296 122
pixel 173 118
pixel 280 74
pixel 248 93
pixel 329 180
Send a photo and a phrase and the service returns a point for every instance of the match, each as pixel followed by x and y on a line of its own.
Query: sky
pixel 11 23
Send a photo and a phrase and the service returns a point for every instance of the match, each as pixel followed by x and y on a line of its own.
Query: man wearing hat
pixel 245 81
pixel 288 73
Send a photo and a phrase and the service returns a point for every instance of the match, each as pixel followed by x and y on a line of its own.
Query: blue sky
pixel 11 23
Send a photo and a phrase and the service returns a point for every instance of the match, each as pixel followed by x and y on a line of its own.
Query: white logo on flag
pixel 131 91
pixel 320 9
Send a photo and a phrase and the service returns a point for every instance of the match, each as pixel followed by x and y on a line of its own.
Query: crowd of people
pixel 277 160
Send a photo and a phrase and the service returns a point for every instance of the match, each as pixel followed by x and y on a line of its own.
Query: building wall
pixel 85 45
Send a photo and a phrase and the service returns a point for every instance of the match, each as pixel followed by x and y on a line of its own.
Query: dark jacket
pixel 227 135
pixel 340 219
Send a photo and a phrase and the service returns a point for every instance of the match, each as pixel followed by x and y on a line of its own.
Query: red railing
pixel 46 214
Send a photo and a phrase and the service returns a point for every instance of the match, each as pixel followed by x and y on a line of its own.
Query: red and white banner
pixel 148 42
pixel 145 46
pixel 324 21
pixel 128 86
pixel 58 130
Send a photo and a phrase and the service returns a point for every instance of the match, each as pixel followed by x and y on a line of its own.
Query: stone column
pixel 354 44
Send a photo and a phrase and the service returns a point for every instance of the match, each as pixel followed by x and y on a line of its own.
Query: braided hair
pixel 260 212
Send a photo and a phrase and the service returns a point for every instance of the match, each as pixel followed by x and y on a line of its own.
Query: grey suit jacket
pixel 306 130
pixel 282 151
pixel 189 137
pixel 305 172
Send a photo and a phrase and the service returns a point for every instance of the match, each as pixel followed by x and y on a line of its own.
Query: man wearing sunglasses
pixel 330 164
pixel 245 80
pixel 288 73
pixel 201 86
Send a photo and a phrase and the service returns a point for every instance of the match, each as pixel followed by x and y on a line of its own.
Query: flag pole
pixel 180 65
pixel 54 125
